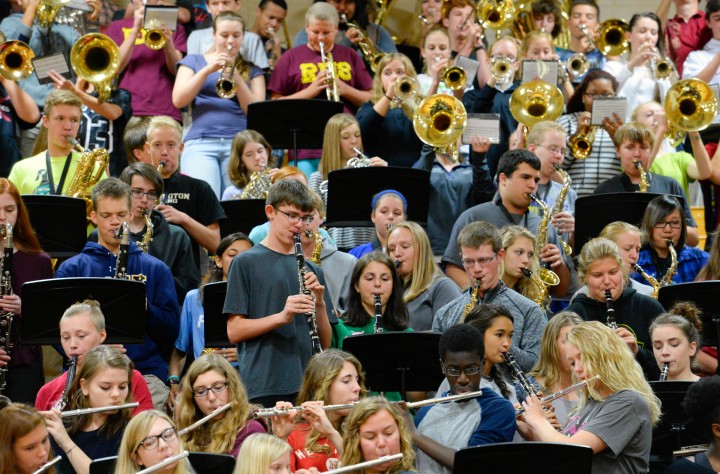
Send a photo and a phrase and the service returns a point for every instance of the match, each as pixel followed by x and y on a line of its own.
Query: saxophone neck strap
pixel 510 217
pixel 66 168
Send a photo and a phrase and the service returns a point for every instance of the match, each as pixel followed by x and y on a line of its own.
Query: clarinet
pixel 121 265
pixel 378 315
pixel 311 316
pixel 664 372
pixel 6 317
pixel 62 403
pixel 519 375
pixel 611 322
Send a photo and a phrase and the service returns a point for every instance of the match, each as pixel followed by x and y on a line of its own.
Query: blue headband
pixel 389 191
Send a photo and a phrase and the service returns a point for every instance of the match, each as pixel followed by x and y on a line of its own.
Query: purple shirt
pixel 146 77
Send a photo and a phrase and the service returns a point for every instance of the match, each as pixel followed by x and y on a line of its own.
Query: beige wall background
pixel 403 16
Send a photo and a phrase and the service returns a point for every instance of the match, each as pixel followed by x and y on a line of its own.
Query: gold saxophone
pixel 667 280
pixel 317 250
pixel 87 174
pixel 649 278
pixel 144 244
pixel 542 298
pixel 644 182
pixel 560 203
pixel 474 294
pixel 545 275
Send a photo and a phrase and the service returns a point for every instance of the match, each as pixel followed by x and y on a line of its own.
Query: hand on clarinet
pixel 628 338
pixel 312 284
pixel 297 304
pixel 4 358
pixel 11 303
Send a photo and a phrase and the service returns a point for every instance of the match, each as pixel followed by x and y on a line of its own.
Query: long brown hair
pixel 23 235
pixel 16 421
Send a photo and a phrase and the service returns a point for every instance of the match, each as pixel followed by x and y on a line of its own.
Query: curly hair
pixel 218 435
pixel 352 452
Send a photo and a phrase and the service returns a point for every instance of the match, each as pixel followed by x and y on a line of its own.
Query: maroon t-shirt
pixel 693 34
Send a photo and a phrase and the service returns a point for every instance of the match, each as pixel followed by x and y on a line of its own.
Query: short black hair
pixel 462 338
pixel 510 160
pixel 280 3
pixel 712 6
pixel 290 192
pixel 702 400
pixel 586 2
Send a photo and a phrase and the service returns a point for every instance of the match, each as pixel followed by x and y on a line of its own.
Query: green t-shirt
pixel 674 165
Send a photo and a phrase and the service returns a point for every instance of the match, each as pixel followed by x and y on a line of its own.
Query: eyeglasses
pixel 216 388
pixel 673 224
pixel 554 149
pixel 139 193
pixel 451 372
pixel 151 442
pixel 482 261
pixel 293 218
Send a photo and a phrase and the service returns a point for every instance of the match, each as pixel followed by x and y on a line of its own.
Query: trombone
pixel 405 88
pixel 15 60
pixel 96 58
pixel 578 65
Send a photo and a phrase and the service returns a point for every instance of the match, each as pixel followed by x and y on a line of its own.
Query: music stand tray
pixel 212 463
pixel 702 294
pixel 675 429
pixel 59 222
pixel 242 215
pixel 594 212
pixel 538 458
pixel 215 325
pixel 121 301
pixel 398 361
pixel 350 193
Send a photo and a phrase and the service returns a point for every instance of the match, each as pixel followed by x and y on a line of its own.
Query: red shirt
pixel 52 391
pixel 300 458
pixel 693 35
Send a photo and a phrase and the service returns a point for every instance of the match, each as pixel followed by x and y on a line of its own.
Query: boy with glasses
pixel 633 144
pixel 265 308
pixel 444 428
pixel 481 252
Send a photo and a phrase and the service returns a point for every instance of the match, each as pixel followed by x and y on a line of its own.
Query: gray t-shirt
pixel 259 283
pixel 623 422
pixel 423 308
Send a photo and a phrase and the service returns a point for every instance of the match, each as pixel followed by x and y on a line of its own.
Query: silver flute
pixel 561 393
pixel 48 464
pixel 270 412
pixel 88 411
pixel 166 462
pixel 204 420
pixel 363 465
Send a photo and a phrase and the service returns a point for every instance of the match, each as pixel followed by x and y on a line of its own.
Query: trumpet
pixel 225 86
pixel 501 69
pixel 154 39
pixel 662 68
pixel 612 38
pixel 48 464
pixel 167 462
pixel 363 465
pixel 591 43
pixel 664 372
pixel 562 393
pixel 454 78
pixel 271 412
pixel 205 419
pixel 578 64
pixel 89 411
pixel 96 58
pixel 405 88
pixel 15 60
pixel 327 60
pixel 581 144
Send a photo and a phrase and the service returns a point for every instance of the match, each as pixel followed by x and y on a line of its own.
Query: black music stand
pixel 350 193
pixel 215 325
pixel 59 222
pixel 538 458
pixel 211 463
pixel 242 215
pixel 704 295
pixel 398 361
pixel 675 429
pixel 292 123
pixel 45 301
pixel 103 465
pixel 594 212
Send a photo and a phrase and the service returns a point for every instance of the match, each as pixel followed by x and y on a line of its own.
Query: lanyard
pixel 509 216
pixel 48 165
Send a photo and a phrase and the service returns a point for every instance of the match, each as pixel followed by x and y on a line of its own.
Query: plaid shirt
pixel 690 261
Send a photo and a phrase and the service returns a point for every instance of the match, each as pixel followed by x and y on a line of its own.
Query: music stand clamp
pixel 702 294
pixel 59 222
pixel 398 361
pixel 292 123
pixel 215 323
pixel 45 301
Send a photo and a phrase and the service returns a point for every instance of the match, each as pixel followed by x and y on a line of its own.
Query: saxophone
pixel 87 174
pixel 542 298
pixel 474 296
pixel 545 275
pixel 258 186
pixel 667 280
pixel 644 182
pixel 560 202
pixel 312 316
pixel 649 278
pixel 144 245
pixel 6 317
pixel 317 250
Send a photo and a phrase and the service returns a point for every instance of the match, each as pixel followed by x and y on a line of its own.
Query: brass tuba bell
pixel 439 121
pixel 612 39
pixel 96 58
pixel 690 105
pixel 15 60
pixel 536 101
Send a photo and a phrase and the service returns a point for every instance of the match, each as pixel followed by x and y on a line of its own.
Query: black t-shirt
pixel 195 198
pixel 8 143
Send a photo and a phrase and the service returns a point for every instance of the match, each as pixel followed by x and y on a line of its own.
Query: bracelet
pixel 388 98
pixel 172 380
pixel 68 451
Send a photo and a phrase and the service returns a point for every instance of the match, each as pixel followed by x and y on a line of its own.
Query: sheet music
pixel 157 16
pixel 485 125
pixel 603 107
pixel 544 70
pixel 470 66
pixel 53 62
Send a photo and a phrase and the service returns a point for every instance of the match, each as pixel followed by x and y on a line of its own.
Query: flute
pixel 201 421
pixel 561 393
pixel 363 465
pixel 48 464
pixel 270 412
pixel 88 411
pixel 166 462
pixel 664 372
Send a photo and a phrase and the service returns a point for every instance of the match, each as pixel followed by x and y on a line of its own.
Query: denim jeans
pixel 208 159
